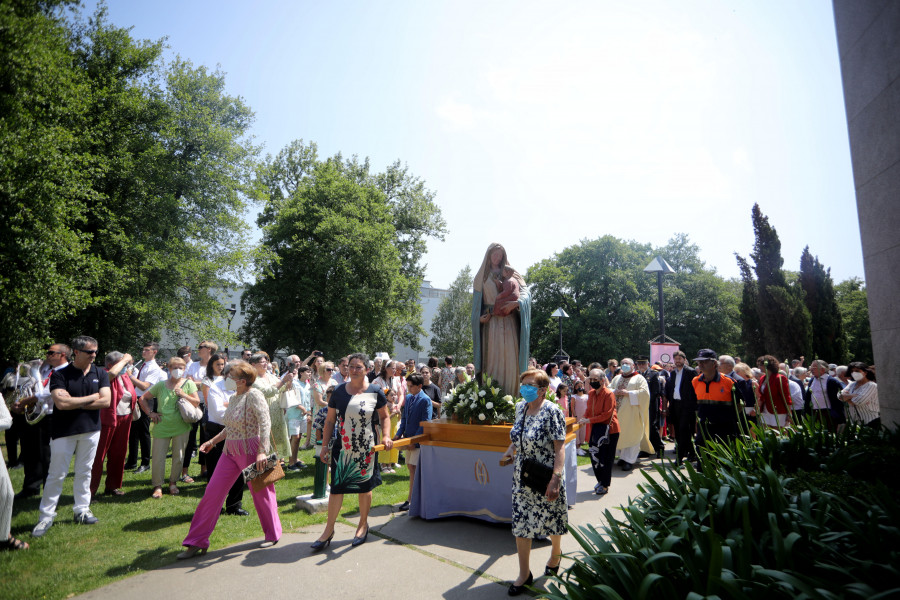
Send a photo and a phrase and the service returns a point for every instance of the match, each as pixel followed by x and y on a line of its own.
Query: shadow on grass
pixel 146 560
pixel 157 523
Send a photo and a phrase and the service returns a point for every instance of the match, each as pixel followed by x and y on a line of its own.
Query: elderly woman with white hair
pixel 169 429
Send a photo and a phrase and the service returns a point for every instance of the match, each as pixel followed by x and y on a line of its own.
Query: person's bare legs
pixel 295 446
pixel 523 549
pixel 309 441
pixel 555 550
pixel 412 480
pixel 365 504
pixel 334 508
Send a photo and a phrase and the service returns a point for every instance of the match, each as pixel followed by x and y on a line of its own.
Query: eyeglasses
pixel 53 352
pixel 329 369
pixel 202 347
pixel 87 351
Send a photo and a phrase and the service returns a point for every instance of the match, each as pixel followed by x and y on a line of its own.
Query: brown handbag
pixel 273 473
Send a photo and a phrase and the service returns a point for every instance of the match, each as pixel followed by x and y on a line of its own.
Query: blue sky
pixel 540 124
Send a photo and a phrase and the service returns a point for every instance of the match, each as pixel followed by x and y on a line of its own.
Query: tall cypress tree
pixel 828 339
pixel 751 326
pixel 786 324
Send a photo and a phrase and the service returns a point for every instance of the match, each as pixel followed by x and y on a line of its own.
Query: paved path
pixel 403 558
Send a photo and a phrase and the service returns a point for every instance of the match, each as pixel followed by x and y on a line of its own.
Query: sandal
pixel 186 479
pixel 14 544
pixel 118 492
pixel 173 489
pixel 157 492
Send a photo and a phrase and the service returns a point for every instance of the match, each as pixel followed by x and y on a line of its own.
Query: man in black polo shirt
pixel 78 391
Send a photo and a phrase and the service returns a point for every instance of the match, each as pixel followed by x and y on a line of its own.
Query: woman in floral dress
pixel 538 433
pixel 354 409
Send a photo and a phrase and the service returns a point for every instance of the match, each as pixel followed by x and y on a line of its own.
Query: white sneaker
pixel 582 452
pixel 41 528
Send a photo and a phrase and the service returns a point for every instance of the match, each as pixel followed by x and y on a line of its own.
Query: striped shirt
pixel 865 406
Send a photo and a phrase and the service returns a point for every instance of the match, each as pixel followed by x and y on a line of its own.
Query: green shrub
pixel 744 526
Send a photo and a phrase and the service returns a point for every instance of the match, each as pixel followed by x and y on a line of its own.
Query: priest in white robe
pixel 633 410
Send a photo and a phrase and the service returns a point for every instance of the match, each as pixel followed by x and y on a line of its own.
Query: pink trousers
pixel 207 514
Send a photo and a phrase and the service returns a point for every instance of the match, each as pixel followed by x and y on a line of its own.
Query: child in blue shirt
pixel 416 409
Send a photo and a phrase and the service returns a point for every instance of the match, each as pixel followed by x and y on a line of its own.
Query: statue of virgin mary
pixel 501 330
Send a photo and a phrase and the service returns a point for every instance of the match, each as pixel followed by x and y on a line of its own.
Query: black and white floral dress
pixel 354 469
pixel 532 514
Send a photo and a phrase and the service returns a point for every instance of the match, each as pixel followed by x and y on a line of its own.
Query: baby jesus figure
pixel 508 289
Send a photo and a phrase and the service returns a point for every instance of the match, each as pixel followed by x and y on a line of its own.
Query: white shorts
pixel 296 427
pixel 412 457
pixel 773 420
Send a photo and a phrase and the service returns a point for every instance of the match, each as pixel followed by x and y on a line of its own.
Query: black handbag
pixel 536 475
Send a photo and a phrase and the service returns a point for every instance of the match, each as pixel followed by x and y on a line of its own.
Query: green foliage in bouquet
pixel 479 404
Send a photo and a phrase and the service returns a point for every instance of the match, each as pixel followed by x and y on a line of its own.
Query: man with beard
pixel 682 406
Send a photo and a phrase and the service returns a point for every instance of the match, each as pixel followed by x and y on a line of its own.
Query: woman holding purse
pixel 169 428
pixel 538 435
pixel 246 437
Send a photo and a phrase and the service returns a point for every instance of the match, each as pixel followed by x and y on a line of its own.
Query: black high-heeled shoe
pixel 318 545
pixel 359 541
pixel 548 570
pixel 515 590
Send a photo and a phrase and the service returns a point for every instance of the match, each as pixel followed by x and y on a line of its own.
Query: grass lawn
pixel 138 533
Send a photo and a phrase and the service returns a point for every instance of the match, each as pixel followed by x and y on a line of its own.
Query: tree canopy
pixel 123 184
pixel 611 301
pixel 452 325
pixel 341 265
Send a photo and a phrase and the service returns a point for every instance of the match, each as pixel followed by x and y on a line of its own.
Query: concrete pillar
pixel 868 35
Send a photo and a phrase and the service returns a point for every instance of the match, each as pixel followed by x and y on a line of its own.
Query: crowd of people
pixel 133 414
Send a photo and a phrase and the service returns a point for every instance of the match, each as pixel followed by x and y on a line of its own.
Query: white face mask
pixel 230 384
pixel 626 369
pixel 857 376
pixel 177 373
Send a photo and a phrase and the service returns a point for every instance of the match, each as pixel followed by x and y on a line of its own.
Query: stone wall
pixel 868 35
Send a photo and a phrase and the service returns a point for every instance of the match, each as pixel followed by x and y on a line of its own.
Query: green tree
pixel 853 303
pixel 752 337
pixel 126 199
pixel 452 325
pixel 786 323
pixel 612 302
pixel 340 264
pixel 44 178
pixel 828 339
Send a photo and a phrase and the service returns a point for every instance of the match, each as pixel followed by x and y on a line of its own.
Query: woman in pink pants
pixel 246 436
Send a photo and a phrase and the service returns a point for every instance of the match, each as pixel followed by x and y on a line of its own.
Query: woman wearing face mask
pixel 600 417
pixel 168 429
pixel 246 439
pixel 115 425
pixel 538 433
pixel 861 396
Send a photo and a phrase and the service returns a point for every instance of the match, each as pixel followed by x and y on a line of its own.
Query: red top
pixel 601 408
pixel 117 388
pixel 780 395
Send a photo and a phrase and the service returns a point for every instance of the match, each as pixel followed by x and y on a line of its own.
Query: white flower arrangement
pixel 472 403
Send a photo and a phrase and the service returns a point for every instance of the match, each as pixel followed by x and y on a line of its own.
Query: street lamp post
pixel 659 266
pixel 560 314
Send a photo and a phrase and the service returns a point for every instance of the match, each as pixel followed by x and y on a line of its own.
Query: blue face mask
pixel 529 392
